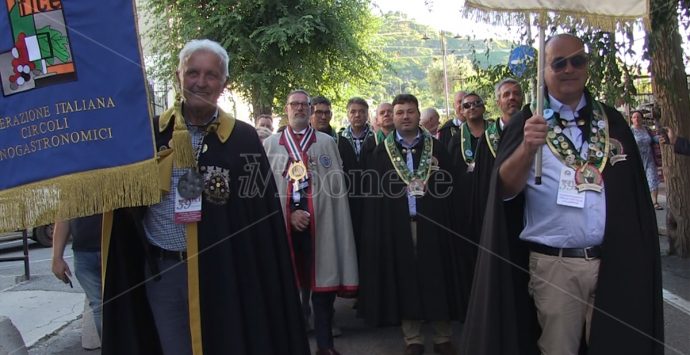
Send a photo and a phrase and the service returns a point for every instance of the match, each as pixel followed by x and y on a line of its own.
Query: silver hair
pixel 429 111
pixel 299 91
pixel 208 45
pixel 497 88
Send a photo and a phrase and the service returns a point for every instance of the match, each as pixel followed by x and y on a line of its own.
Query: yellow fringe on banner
pixel 79 194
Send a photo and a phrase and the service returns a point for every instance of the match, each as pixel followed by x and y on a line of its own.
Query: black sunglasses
pixel 477 103
pixel 577 62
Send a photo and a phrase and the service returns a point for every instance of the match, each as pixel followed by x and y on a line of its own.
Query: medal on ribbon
pixel 468 152
pixel 298 172
pixel 416 187
pixel 588 169
pixel 191 184
pixel 588 177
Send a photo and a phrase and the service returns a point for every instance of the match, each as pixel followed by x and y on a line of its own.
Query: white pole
pixel 530 41
pixel 445 75
pixel 541 64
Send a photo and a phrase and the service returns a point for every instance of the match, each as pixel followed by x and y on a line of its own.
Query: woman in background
pixel 645 142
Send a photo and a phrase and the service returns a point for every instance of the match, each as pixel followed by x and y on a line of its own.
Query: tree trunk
pixel 259 107
pixel 671 91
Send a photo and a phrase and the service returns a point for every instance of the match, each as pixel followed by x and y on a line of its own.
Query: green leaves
pixel 275 46
pixel 50 37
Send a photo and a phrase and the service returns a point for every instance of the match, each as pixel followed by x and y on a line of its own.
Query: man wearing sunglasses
pixel 472 154
pixel 452 127
pixel 590 235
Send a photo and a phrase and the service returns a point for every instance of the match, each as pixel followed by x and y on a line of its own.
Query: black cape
pixel 446 132
pixel 396 283
pixel 357 179
pixel 501 318
pixel 249 302
pixel 473 186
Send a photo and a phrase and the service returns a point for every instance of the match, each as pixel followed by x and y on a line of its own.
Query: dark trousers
pixel 323 318
pixel 322 302
pixel 168 298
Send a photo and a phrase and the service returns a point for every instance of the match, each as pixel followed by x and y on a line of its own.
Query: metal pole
pixel 25 239
pixel 532 84
pixel 541 64
pixel 445 75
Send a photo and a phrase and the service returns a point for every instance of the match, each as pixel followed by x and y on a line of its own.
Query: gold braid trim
pixel 79 194
pixel 193 292
pixel 182 140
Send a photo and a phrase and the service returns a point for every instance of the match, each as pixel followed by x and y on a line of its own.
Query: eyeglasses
pixel 296 105
pixel 322 113
pixel 577 62
pixel 477 103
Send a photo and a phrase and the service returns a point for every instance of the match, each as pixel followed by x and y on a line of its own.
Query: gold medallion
pixel 297 171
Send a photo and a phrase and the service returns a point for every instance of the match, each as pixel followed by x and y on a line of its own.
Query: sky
pixel 445 15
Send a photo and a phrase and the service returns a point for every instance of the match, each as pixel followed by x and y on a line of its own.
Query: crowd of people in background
pixel 421 222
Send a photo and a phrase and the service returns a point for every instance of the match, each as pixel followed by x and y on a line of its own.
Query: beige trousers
pixel 563 290
pixel 412 330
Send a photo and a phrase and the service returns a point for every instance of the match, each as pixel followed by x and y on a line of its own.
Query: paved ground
pixel 48 312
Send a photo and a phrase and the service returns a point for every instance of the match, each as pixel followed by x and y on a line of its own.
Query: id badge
pixel 567 191
pixel 187 210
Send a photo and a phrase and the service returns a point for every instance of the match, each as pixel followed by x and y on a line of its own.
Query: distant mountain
pixel 412 48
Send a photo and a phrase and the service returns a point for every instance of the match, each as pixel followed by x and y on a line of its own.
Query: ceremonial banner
pixel 75 125
pixel 603 14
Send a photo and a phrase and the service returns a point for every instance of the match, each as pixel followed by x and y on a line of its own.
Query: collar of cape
pixel 598 144
pixel 469 153
pixel 379 136
pixel 493 135
pixel 224 128
pixel 423 170
pixel 297 149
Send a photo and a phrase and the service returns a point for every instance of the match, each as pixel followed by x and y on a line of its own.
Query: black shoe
pixel 446 348
pixel 414 349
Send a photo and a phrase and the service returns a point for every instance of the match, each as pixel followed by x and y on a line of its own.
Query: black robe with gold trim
pixel 247 297
pixel 628 316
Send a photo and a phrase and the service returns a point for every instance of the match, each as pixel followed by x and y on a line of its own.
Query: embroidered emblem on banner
pixel 217 184
pixel 41 53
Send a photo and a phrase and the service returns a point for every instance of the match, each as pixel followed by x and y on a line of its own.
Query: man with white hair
pixel 430 120
pixel 208 268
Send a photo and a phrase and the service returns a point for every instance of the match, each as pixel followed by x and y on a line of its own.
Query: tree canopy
pixel 275 46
